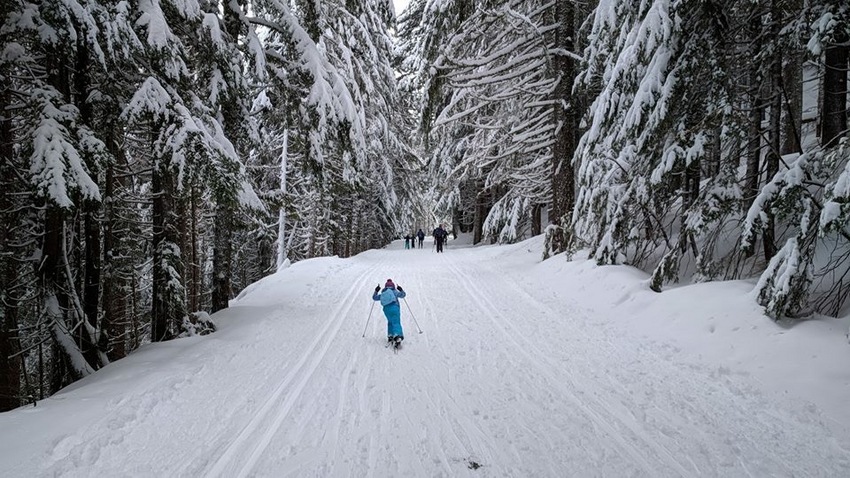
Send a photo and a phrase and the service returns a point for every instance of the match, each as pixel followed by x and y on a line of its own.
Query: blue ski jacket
pixel 399 294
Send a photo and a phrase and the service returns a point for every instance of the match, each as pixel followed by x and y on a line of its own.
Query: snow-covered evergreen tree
pixel 425 27
pixel 499 68
pixel 52 55
pixel 145 132
pixel 498 114
pixel 332 101
pixel 810 192
pixel 686 135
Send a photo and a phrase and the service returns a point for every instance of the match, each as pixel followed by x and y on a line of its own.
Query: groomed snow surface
pixel 524 369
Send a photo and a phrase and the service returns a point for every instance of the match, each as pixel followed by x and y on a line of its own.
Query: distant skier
pixel 389 299
pixel 421 236
pixel 407 241
pixel 440 236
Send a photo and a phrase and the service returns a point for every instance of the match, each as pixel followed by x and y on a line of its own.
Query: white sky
pixel 399 5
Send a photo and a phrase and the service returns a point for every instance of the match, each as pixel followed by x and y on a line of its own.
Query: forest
pixel 161 155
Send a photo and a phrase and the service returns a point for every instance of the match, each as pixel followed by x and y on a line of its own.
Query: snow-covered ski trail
pixel 695 422
pixel 509 379
pixel 526 345
pixel 254 438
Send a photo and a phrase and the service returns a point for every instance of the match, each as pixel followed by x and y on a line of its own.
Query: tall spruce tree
pixel 809 193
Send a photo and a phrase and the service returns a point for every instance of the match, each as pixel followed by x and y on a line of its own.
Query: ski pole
pixel 411 314
pixel 370 318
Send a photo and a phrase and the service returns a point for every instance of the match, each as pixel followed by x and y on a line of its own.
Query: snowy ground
pixel 524 368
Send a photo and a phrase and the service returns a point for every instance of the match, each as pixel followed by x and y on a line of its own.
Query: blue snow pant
pixel 393 313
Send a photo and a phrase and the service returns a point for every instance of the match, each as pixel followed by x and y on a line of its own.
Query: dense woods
pixel 158 156
pixel 695 140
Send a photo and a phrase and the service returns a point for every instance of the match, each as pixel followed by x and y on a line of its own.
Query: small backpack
pixel 388 297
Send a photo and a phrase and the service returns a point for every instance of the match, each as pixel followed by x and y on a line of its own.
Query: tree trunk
pixel 792 89
pixel 115 288
pixel 185 229
pixel 111 288
pixel 222 254
pixel 774 132
pixel 10 367
pixel 57 369
pixel 563 176
pixel 282 252
pixel 91 224
pixel 711 163
pixel 195 271
pixel 536 217
pixel 349 233
pixel 751 186
pixel 690 194
pixel 61 303
pixel 76 352
pixel 483 203
pixel 91 289
pixel 834 108
pixel 168 307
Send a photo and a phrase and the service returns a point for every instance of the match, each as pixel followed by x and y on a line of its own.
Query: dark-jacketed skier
pixel 440 236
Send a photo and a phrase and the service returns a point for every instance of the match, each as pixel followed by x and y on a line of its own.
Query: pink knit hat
pixel 389 284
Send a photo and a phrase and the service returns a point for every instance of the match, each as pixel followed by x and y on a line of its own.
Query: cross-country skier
pixel 440 236
pixel 389 299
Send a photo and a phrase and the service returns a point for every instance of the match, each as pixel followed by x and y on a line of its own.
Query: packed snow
pixel 523 368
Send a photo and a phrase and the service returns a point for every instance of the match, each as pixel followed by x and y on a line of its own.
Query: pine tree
pixel 810 192
pixel 132 119
pixel 10 358
pixel 684 151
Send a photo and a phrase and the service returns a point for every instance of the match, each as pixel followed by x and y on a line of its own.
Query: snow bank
pixel 717 323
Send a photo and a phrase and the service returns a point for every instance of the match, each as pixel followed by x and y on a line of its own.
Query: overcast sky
pixel 400 4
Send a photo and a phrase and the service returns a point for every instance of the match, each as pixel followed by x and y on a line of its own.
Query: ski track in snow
pixel 675 429
pixel 506 375
pixel 478 386
pixel 246 442
pixel 523 347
